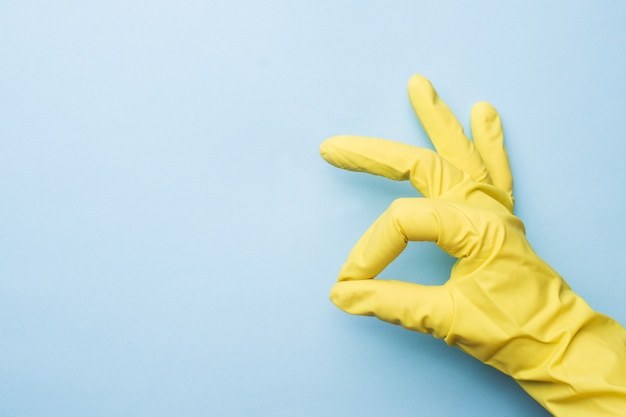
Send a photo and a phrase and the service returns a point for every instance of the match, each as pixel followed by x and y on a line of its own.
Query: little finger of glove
pixel 489 140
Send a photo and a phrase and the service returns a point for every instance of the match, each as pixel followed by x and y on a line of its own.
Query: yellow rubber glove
pixel 502 303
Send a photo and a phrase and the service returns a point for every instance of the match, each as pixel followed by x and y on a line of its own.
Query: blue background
pixel 169 233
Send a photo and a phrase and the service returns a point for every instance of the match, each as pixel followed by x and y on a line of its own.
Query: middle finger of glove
pixel 430 174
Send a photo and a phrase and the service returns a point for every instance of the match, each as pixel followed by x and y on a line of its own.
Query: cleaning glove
pixel 502 304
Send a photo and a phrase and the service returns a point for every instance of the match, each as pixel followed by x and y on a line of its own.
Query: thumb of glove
pixel 426 309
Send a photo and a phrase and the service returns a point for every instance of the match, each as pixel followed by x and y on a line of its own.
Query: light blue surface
pixel 169 233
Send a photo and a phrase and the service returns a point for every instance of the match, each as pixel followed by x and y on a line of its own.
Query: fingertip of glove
pixel 418 83
pixel 336 294
pixel 330 149
pixel 326 149
pixel 343 296
pixel 417 80
pixel 326 146
pixel 484 111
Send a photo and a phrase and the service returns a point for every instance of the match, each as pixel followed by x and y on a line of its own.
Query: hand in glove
pixel 502 304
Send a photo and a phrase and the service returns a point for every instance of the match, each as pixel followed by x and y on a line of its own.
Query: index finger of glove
pixel 444 130
pixel 407 219
pixel 428 172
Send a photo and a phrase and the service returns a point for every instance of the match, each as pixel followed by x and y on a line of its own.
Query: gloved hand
pixel 502 303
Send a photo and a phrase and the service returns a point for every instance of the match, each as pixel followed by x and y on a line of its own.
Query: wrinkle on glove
pixel 502 304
